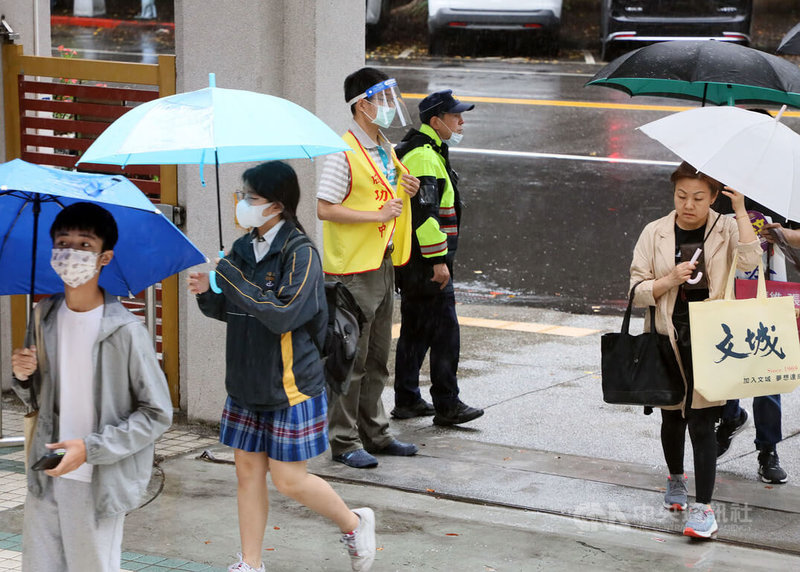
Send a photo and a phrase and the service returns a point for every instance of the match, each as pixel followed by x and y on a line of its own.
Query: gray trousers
pixel 358 419
pixel 61 533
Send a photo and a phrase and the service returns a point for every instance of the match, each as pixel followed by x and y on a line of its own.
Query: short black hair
pixel 360 81
pixel 87 216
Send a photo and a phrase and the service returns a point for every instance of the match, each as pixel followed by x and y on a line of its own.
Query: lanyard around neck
pixel 388 166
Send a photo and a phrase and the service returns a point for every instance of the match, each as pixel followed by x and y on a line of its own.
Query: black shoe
pixel 769 467
pixel 461 413
pixel 727 430
pixel 358 459
pixel 398 449
pixel 419 409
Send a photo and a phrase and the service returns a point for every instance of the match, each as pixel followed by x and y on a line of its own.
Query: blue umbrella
pixel 149 249
pixel 212 126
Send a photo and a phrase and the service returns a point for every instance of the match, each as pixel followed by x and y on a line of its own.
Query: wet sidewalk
pixel 549 477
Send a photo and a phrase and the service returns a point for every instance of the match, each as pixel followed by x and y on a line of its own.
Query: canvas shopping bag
pixel 744 348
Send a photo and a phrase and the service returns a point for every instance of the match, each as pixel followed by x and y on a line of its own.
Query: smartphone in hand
pixel 48 461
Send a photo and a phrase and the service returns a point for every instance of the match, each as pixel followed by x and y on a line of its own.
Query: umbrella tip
pixel 780 113
pixel 212 80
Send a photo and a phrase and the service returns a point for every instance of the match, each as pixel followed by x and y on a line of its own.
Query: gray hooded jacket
pixel 132 402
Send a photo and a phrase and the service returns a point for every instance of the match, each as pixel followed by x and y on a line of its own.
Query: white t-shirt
pixel 77 333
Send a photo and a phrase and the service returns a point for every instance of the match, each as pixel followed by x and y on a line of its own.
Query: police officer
pixel 427 306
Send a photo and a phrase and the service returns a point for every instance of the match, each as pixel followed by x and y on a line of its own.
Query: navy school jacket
pixel 271 308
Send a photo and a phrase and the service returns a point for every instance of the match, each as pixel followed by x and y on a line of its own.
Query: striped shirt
pixel 335 179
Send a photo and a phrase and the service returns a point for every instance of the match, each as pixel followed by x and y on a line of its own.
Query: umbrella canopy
pixel 212 126
pixel 751 152
pixel 704 70
pixel 790 44
pixel 149 248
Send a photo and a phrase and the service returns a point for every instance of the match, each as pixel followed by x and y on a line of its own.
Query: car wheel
pixel 373 35
pixel 552 44
pixel 436 44
pixel 611 51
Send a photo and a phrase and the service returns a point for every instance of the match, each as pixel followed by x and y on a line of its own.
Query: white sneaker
pixel 243 566
pixel 361 542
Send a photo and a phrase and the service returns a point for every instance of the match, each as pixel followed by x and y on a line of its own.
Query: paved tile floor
pixel 174 442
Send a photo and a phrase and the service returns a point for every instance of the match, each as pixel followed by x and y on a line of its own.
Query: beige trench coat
pixel 654 257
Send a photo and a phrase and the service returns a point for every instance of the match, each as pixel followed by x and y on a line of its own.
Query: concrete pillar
pixel 31 20
pixel 297 49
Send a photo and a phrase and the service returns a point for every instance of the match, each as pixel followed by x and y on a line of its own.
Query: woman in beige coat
pixel 666 279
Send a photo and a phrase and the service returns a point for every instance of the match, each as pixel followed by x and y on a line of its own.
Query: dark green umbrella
pixel 704 70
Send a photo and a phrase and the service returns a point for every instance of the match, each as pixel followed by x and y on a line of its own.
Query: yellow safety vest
pixel 352 248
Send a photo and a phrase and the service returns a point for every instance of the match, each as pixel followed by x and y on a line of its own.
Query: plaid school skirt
pixel 297 433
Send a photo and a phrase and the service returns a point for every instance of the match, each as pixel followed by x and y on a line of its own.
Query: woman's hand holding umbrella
pixel 198 282
pixel 746 231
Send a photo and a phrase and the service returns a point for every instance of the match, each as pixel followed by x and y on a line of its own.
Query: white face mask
pixel 74 267
pixel 249 216
pixel 455 138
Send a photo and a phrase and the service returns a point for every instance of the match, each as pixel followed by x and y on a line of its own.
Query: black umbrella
pixel 704 70
pixel 790 44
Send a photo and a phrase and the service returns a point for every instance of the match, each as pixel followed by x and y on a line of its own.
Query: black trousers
pixel 428 322
pixel 704 445
pixel 700 423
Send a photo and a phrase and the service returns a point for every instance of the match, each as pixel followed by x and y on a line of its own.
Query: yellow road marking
pixel 586 104
pixel 530 327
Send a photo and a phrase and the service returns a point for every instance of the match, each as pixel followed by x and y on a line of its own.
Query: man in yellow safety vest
pixel 363 200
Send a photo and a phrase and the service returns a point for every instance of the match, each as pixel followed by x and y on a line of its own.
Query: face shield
pixel 388 103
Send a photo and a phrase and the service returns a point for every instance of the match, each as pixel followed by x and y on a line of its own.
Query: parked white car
pixel 448 18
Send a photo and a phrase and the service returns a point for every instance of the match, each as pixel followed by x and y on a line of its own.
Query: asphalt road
pixel 557 182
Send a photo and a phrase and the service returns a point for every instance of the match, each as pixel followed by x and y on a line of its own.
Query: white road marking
pixel 535 155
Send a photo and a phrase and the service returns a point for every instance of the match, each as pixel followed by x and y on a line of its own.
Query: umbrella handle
pixel 699 276
pixel 212 277
pixel 212 281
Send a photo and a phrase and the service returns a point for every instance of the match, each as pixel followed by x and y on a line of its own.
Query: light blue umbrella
pixel 150 248
pixel 211 126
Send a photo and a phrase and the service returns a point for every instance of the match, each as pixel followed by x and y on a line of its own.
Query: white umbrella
pixel 751 152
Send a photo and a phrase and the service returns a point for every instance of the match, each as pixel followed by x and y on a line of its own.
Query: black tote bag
pixel 640 370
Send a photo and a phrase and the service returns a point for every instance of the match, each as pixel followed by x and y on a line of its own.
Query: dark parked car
pixel 624 21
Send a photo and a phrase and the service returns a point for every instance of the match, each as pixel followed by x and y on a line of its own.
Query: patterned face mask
pixel 74 267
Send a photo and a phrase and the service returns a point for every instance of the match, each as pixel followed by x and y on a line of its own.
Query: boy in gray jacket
pixel 102 398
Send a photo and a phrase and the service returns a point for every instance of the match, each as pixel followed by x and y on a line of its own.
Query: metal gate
pixel 54 108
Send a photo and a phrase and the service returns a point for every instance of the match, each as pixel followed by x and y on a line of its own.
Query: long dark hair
pixel 277 182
